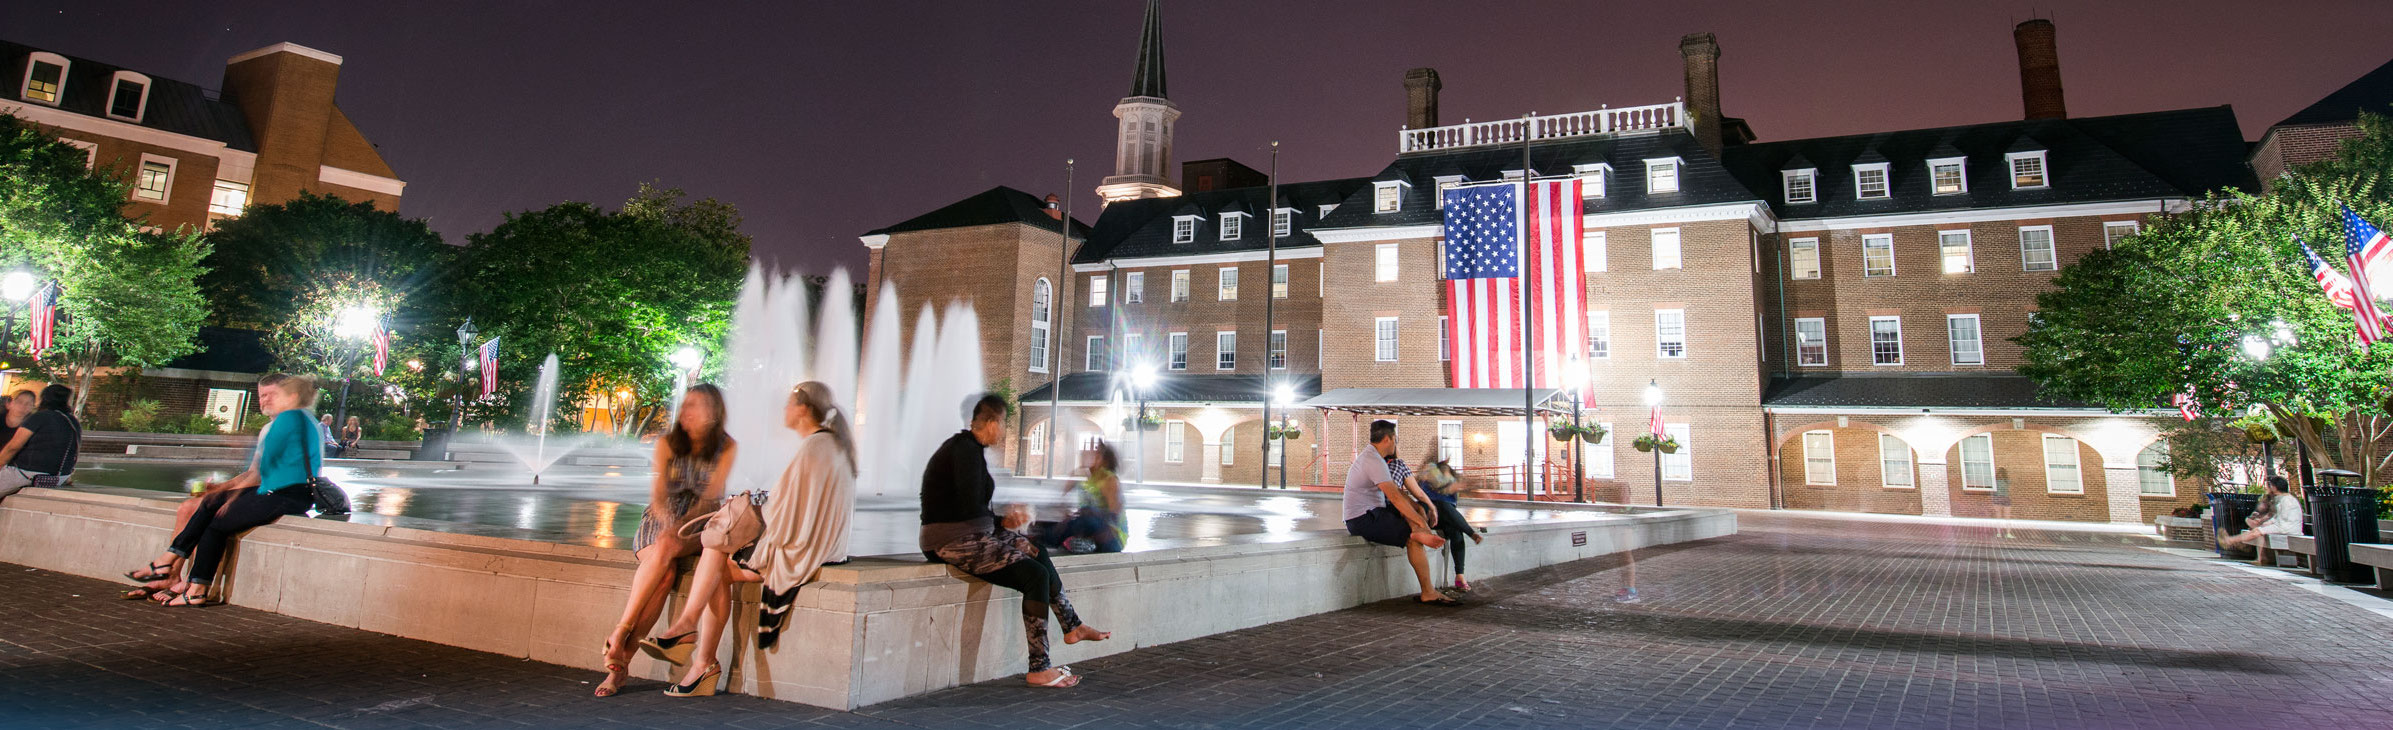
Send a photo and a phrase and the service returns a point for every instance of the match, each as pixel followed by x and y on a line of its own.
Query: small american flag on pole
pixel 382 347
pixel 1654 423
pixel 1486 267
pixel 2366 248
pixel 2185 405
pixel 489 355
pixel 45 318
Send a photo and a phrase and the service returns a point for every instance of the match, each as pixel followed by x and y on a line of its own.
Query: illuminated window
pixel 1886 340
pixel 155 179
pixel 1877 255
pixel 1804 258
pixel 1894 462
pixel 1811 341
pixel 1948 175
pixel 1869 181
pixel 230 198
pixel 1819 458
pixel 2027 170
pixel 1954 247
pixel 45 78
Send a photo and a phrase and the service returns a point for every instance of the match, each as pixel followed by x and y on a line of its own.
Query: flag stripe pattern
pixel 382 348
pixel 45 318
pixel 490 367
pixel 2338 288
pixel 1489 269
pixel 2363 245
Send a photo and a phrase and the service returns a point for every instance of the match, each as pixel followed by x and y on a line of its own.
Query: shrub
pixel 199 423
pixel 140 416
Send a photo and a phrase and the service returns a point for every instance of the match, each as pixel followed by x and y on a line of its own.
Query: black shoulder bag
pixel 330 499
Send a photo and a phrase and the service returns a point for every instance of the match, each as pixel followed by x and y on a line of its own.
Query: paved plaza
pixel 1798 622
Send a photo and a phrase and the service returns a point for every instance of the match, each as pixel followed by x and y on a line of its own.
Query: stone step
pixel 232 453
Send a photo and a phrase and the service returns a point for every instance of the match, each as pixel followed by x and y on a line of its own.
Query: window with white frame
pixel 1133 349
pixel 1598 455
pixel 1678 467
pixel 1599 334
pixel 1097 286
pixel 1594 252
pixel 1042 297
pixel 2035 249
pixel 1886 340
pixel 1977 462
pixel 1894 462
pixel 91 158
pixel 1661 176
pixel 1178 351
pixel 1869 181
pixel 1803 255
pixel 1277 353
pixel 1279 281
pixel 128 96
pixel 1233 226
pixel 1670 333
pixel 155 179
pixel 1228 290
pixel 1666 249
pixel 2027 170
pixel 1179 285
pixel 1095 359
pixel 1801 185
pixel 1134 287
pixel 1386 197
pixel 1225 350
pixel 1283 221
pixel 1948 175
pixel 2151 472
pixel 1592 178
pixel 1811 341
pixel 1383 262
pixel 1819 458
pixel 1877 255
pixel 1449 443
pixel 1383 331
pixel 45 78
pixel 1277 452
pixel 1228 446
pixel 1445 183
pixel 1445 340
pixel 1038 440
pixel 2115 231
pixel 1955 249
pixel 229 198
pixel 1962 331
pixel 1184 228
pixel 1175 441
pixel 2060 466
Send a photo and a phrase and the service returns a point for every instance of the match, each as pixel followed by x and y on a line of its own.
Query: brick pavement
pixel 1798 623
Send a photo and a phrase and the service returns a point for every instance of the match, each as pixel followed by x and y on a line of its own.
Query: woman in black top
pixel 44 443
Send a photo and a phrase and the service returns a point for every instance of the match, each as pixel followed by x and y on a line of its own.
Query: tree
pixel 275 260
pixel 2218 303
pixel 613 294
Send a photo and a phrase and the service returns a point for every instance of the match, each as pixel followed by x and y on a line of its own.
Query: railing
pixel 1533 127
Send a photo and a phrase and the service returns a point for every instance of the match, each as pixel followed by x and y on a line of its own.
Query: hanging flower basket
pixel 1648 443
pixel 1133 423
pixel 1593 433
pixel 2260 434
pixel 1562 431
pixel 1292 432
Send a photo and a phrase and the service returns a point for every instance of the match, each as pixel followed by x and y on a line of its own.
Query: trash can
pixel 2340 516
pixel 436 445
pixel 2227 512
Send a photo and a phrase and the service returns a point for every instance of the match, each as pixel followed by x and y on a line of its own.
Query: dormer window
pixel 1387 196
pixel 1283 221
pixel 1445 183
pixel 1184 228
pixel 45 78
pixel 1592 179
pixel 1869 181
pixel 1801 185
pixel 1326 208
pixel 1233 226
pixel 1948 175
pixel 128 96
pixel 1661 176
pixel 2027 170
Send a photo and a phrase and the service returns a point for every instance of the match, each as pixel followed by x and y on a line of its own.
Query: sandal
pixel 139 593
pixel 194 599
pixel 613 671
pixel 675 650
pixel 703 686
pixel 1441 601
pixel 157 573
pixel 1063 678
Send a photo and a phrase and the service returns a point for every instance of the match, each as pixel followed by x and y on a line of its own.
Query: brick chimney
pixel 2039 70
pixel 285 93
pixel 1055 207
pixel 1420 98
pixel 1702 54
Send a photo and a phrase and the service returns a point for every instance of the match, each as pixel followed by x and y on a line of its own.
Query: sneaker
pixel 1626 595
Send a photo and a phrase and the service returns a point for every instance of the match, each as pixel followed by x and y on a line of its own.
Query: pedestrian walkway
pixel 1798 622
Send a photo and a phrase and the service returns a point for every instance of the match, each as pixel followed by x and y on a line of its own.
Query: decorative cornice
pixel 363 181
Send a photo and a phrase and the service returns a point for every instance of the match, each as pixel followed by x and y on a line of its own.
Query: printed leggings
pixel 1456 530
pixel 204 536
pixel 1006 559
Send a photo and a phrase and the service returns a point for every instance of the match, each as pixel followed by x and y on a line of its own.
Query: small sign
pixel 1578 539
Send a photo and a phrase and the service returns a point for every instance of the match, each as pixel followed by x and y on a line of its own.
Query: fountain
pixel 534 455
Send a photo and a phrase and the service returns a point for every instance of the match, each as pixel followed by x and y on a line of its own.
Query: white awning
pixel 1438 401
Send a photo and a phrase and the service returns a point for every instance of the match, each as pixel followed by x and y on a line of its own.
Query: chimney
pixel 1420 98
pixel 1702 54
pixel 1055 207
pixel 2039 70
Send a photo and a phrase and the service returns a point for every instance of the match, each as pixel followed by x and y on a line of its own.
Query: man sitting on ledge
pixel 1380 510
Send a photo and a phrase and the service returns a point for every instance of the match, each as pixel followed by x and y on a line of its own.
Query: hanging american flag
pixel 1654 424
pixel 2365 247
pixel 2185 405
pixel 382 347
pixel 2337 288
pixel 489 355
pixel 45 318
pixel 1486 265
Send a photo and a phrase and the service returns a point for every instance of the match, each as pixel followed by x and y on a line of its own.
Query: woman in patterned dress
pixel 691 463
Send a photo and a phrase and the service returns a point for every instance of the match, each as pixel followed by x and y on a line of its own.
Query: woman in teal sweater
pixel 276 484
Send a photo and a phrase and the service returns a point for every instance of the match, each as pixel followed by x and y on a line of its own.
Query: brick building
pixel 1829 320
pixel 2315 132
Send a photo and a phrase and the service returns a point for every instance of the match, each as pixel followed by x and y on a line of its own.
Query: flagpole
pixel 1271 273
pixel 1528 287
pixel 1055 350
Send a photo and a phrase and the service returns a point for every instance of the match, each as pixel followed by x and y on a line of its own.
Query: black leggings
pixel 203 537
pixel 1455 529
pixel 1042 593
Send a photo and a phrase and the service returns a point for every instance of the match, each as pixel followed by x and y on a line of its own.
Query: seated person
pixel 2280 513
pixel 1377 508
pixel 1096 524
pixel 44 444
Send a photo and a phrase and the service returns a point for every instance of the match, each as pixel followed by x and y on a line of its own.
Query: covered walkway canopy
pixel 1438 401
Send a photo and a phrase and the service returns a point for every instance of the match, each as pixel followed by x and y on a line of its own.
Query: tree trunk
pixel 90 363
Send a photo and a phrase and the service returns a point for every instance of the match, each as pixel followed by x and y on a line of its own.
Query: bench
pixel 2303 548
pixel 2376 556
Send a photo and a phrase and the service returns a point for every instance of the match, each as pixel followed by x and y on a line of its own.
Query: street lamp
pixel 18 288
pixel 687 358
pixel 1574 375
pixel 465 362
pixel 354 323
pixel 2257 346
pixel 1285 396
pixel 1653 400
pixel 1142 380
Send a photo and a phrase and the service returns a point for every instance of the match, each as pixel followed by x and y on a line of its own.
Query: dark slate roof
pixel 1143 228
pixel 229 351
pixel 1911 391
pixel 174 106
pixel 999 204
pixel 1147 80
pixel 2372 91
pixel 1702 181
pixel 2182 153
pixel 1182 388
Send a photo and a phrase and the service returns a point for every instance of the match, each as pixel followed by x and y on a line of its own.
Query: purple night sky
pixel 823 120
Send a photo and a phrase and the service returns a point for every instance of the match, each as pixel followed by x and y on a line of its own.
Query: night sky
pixel 823 120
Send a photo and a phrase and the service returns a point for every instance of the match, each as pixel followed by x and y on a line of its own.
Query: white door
pixel 228 406
pixel 1508 452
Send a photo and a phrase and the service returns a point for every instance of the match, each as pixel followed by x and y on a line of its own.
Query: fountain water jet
pixel 534 456
pixel 766 355
pixel 884 368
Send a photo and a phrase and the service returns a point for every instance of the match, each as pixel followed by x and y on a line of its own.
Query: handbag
pixel 330 498
pixel 735 526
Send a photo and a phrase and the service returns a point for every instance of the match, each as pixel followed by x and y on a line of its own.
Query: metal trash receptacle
pixel 435 447
pixel 2340 516
pixel 2227 512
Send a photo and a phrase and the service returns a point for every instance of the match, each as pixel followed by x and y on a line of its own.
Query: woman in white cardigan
pixel 2280 513
pixel 805 527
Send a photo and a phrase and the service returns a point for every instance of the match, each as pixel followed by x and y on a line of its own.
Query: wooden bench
pixel 2303 548
pixel 2376 556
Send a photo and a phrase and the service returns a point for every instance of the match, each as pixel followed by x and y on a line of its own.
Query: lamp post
pixel 465 361
pixel 1653 400
pixel 2257 347
pixel 1285 396
pixel 1142 380
pixel 354 324
pixel 1574 375
pixel 17 287
pixel 687 359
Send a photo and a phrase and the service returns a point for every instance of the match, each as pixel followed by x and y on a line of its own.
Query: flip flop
pixel 1063 678
pixel 1441 601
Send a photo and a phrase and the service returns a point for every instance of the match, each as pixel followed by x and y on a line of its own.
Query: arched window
pixel 45 78
pixel 128 96
pixel 1042 298
pixel 2152 475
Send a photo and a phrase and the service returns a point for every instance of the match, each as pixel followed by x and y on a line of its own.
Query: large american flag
pixel 489 355
pixel 1486 265
pixel 45 318
pixel 2366 251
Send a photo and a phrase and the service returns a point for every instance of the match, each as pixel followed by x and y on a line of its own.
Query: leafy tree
pixel 2186 305
pixel 612 293
pixel 275 261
